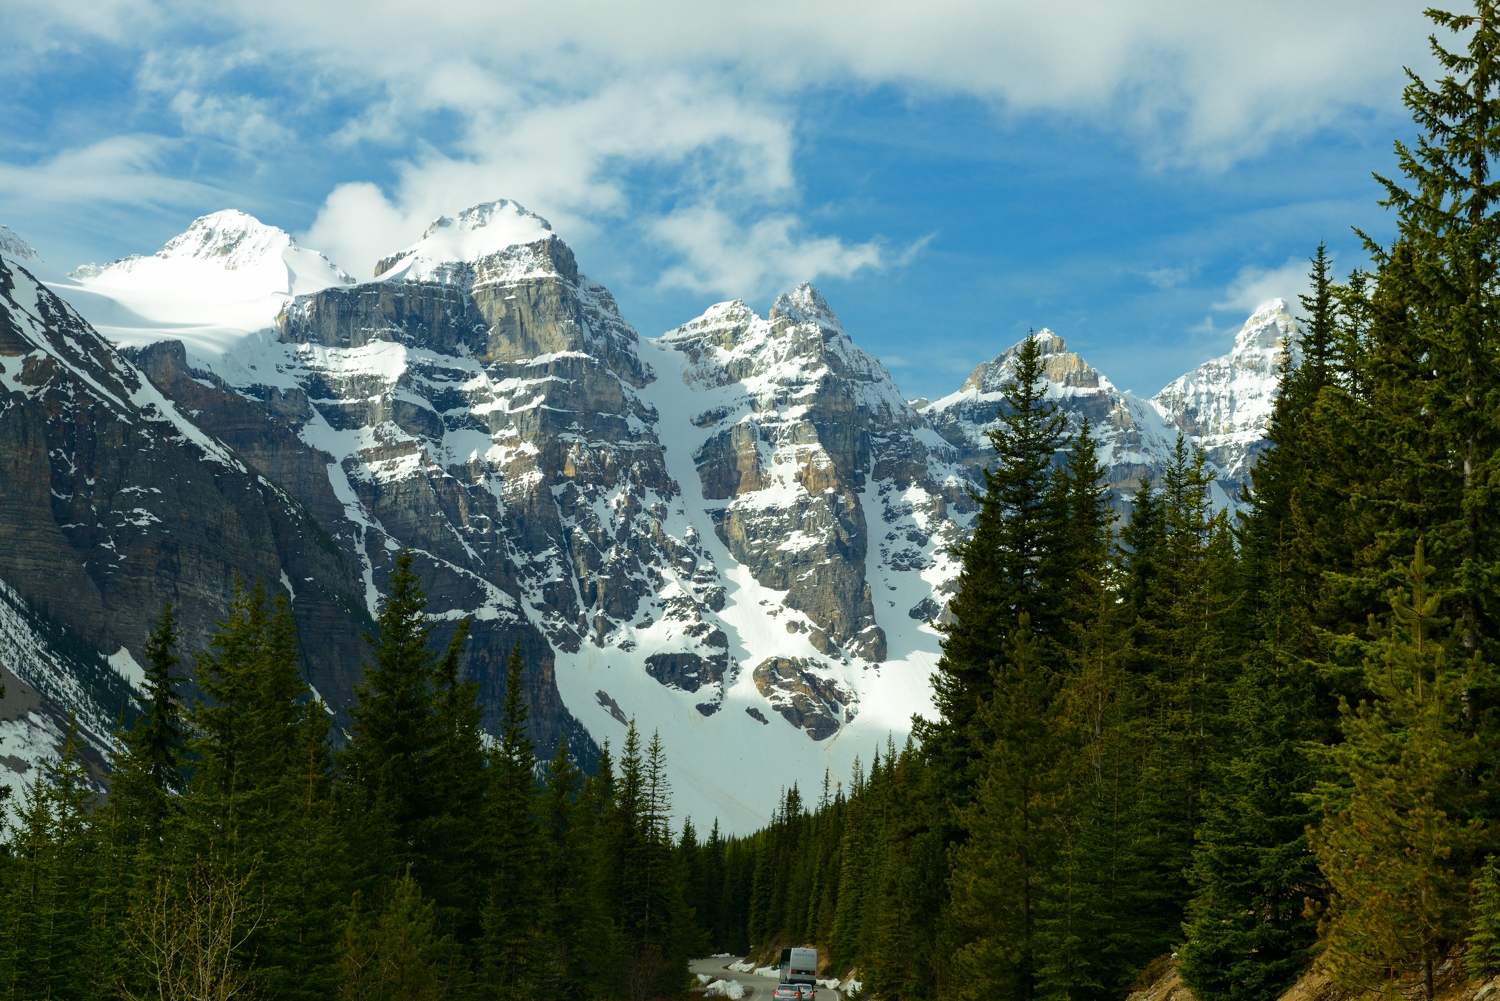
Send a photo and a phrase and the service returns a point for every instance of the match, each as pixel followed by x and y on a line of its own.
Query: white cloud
pixel 122 170
pixel 567 159
pixel 674 121
pixel 724 257
pixel 1190 79
pixel 1255 285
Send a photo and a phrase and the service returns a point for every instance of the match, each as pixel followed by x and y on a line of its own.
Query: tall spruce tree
pixel 1014 534
pixel 387 764
pixel 510 943
pixel 1000 873
pixel 1248 935
pixel 148 772
pixel 1397 842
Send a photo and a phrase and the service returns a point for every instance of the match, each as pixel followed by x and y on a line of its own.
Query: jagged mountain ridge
pixel 1223 407
pixel 735 532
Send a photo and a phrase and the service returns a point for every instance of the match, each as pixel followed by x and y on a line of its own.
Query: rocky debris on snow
pixel 799 689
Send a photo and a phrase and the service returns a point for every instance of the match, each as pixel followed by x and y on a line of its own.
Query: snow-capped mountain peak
pixel 1226 402
pixel 234 253
pixel 1062 368
pixel 804 304
pixel 478 233
pixel 14 247
pixel 1267 329
pixel 216 286
pixel 230 238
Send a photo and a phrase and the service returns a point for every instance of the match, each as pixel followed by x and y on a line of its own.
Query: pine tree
pixel 999 873
pixel 1013 537
pixel 398 951
pixel 510 931
pixel 455 864
pixel 1397 842
pixel 1253 872
pixel 387 765
pixel 52 947
pixel 148 773
pixel 1436 355
pixel 255 819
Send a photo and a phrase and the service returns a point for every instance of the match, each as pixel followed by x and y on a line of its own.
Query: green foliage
pixel 1482 957
pixel 1401 829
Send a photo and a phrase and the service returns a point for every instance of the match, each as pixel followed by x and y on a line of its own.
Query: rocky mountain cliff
pixel 114 502
pixel 736 533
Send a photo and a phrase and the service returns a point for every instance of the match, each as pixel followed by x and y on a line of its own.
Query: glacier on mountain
pixel 737 533
pixel 217 287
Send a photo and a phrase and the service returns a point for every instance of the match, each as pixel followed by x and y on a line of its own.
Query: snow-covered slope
pixel 48 673
pixel 113 500
pixel 17 249
pixel 217 287
pixel 1225 404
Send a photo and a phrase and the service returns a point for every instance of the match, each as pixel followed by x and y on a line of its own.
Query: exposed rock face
pixel 485 413
pixel 1222 407
pixel 51 676
pixel 805 695
pixel 646 518
pixel 1133 437
pixel 810 440
pixel 115 501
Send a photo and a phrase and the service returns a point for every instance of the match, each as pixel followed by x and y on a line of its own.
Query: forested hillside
pixel 237 856
pixel 1263 744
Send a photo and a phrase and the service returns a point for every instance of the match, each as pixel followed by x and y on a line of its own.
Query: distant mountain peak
pixel 1059 365
pixel 14 247
pixel 500 215
pixel 478 232
pixel 231 240
pixel 1267 328
pixel 804 304
pixel 1226 402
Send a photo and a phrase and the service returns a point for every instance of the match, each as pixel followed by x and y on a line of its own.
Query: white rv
pixel 800 966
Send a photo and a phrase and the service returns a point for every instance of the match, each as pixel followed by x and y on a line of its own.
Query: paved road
pixel 756 988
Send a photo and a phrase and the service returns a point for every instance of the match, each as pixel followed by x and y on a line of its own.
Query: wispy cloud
pixel 1256 285
pixel 722 256
pixel 126 169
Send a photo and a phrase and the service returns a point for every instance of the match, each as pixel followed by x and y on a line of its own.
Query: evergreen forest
pixel 1253 743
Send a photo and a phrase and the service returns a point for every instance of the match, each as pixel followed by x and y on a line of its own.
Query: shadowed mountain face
pixel 114 502
pixel 737 533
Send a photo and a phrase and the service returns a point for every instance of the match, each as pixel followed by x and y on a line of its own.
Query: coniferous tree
pixel 148 773
pixel 254 818
pixel 510 939
pixel 50 948
pixel 387 764
pixel 1013 537
pixel 1396 842
pixel 1248 935
pixel 999 873
pixel 456 860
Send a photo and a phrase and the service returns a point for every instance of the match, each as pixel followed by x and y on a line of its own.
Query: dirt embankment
pixel 1160 982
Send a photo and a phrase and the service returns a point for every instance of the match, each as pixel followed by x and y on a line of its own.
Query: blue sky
pixel 1135 176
